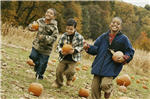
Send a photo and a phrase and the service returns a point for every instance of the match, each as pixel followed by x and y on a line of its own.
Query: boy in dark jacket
pixel 43 43
pixel 104 68
pixel 67 61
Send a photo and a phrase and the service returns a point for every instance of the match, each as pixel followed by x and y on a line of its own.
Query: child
pixel 68 60
pixel 104 68
pixel 42 44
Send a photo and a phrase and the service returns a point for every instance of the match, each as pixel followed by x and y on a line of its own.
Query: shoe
pixel 55 85
pixel 107 95
pixel 38 77
pixel 69 83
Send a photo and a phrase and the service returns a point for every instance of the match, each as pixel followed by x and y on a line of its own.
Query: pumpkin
pixel 30 62
pixel 35 88
pixel 83 92
pixel 85 68
pixel 137 81
pixel 66 48
pixel 35 26
pixel 145 87
pixel 53 60
pixel 132 77
pixel 122 89
pixel 123 80
pixel 117 55
pixel 74 78
pixel 77 69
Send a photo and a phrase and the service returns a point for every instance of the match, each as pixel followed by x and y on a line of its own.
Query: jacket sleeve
pixel 52 38
pixel 93 49
pixel 129 51
pixel 60 43
pixel 79 46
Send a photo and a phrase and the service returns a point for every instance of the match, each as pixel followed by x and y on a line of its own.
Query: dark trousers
pixel 40 61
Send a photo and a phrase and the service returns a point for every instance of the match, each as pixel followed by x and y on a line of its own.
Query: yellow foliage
pixel 143 42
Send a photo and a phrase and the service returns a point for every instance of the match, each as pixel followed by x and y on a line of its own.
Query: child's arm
pixel 93 49
pixel 60 43
pixel 129 52
pixel 50 39
pixel 79 47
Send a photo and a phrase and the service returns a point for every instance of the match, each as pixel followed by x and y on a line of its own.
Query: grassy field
pixel 17 75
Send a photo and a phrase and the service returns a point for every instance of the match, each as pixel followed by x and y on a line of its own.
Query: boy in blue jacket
pixel 104 68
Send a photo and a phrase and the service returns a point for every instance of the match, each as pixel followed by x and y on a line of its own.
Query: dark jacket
pixel 103 64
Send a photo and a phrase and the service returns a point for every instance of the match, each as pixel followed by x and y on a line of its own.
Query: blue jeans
pixel 40 61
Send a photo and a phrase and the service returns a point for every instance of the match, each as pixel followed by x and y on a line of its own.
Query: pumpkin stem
pixel 112 51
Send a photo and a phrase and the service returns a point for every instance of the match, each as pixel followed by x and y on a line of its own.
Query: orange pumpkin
pixel 117 55
pixel 35 26
pixel 145 87
pixel 77 69
pixel 53 60
pixel 123 80
pixel 85 68
pixel 122 89
pixel 66 48
pixel 137 81
pixel 132 77
pixel 35 88
pixel 74 78
pixel 30 62
pixel 83 92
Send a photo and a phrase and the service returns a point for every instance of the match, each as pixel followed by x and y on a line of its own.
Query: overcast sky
pixel 141 3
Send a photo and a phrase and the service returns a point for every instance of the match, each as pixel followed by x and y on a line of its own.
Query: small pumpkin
pixel 35 26
pixel 54 60
pixel 74 78
pixel 83 92
pixel 124 80
pixel 123 89
pixel 117 55
pixel 85 68
pixel 137 81
pixel 30 62
pixel 66 48
pixel 35 88
pixel 77 69
pixel 145 87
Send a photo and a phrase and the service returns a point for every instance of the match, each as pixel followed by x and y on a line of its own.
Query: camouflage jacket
pixel 49 32
pixel 77 44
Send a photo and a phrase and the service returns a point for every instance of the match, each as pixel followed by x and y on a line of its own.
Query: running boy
pixel 104 68
pixel 43 43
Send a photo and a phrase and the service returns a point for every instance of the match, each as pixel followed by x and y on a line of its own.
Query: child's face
pixel 70 30
pixel 115 25
pixel 49 14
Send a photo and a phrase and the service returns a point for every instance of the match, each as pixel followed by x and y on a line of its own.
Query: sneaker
pixel 107 95
pixel 69 83
pixel 38 77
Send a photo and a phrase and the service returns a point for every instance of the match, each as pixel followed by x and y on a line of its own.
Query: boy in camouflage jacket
pixel 43 43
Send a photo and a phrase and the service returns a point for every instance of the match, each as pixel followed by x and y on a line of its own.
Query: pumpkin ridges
pixel 36 89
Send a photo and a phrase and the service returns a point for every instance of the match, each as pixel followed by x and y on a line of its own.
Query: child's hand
pixel 85 45
pixel 120 60
pixel 40 36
